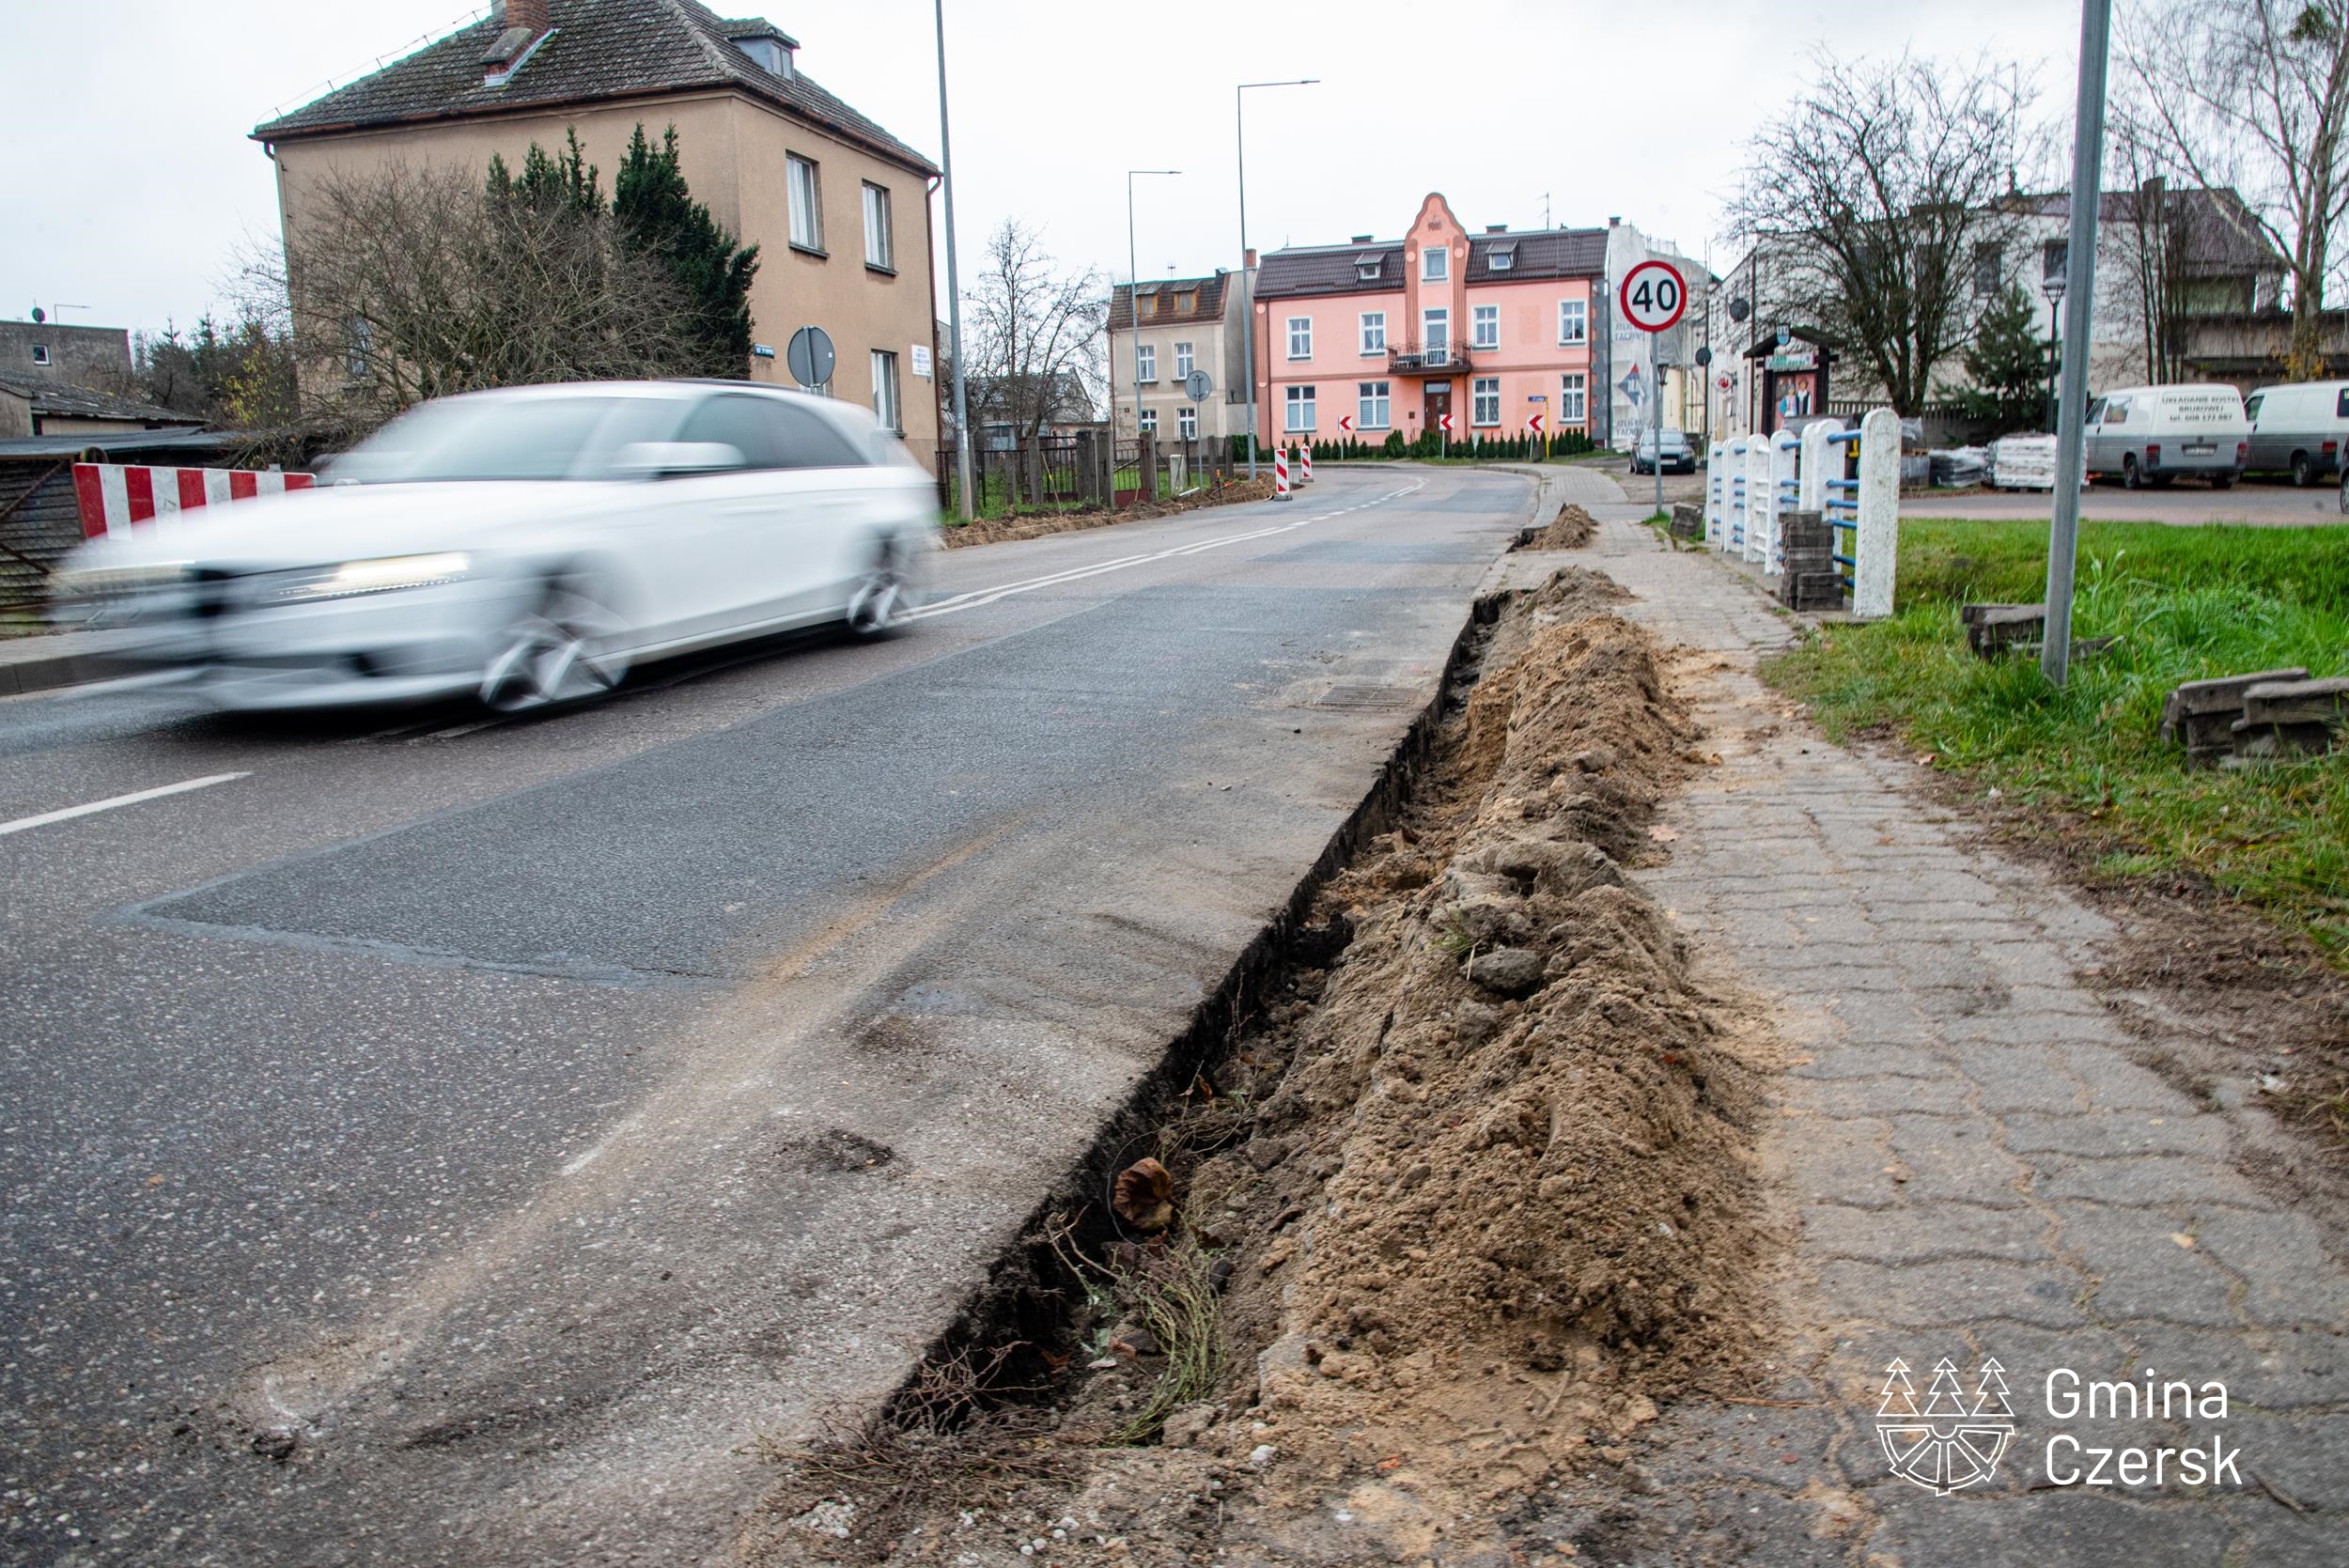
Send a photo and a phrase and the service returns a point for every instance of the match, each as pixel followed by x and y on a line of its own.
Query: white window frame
pixel 1501 260
pixel 1374 405
pixel 889 405
pixel 1431 320
pixel 1574 405
pixel 1373 325
pixel 1434 264
pixel 1146 362
pixel 1149 418
pixel 1480 388
pixel 1481 317
pixel 1299 410
pixel 880 242
pixel 803 179
pixel 1574 322
pixel 1187 423
pixel 1185 362
pixel 1300 332
pixel 40 353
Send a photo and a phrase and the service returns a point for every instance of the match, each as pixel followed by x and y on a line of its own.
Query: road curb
pixel 48 672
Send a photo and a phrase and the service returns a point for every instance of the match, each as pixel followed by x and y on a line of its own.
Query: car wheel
pixel 2130 479
pixel 2345 492
pixel 2303 472
pixel 553 655
pixel 878 605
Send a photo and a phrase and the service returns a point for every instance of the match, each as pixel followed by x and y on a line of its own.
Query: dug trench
pixel 1442 1198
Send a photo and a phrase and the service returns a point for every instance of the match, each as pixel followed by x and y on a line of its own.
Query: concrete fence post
pixel 1758 500
pixel 1819 458
pixel 1733 539
pixel 1877 552
pixel 1785 449
pixel 1717 493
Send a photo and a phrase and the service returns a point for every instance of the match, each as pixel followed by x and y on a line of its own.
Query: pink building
pixel 1372 336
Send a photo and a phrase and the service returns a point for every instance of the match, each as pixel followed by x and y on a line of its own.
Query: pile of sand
pixel 1571 529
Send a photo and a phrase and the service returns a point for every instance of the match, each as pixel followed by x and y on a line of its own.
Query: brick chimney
pixel 523 24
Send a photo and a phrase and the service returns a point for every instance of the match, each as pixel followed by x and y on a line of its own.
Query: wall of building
pixel 78 356
pixel 732 151
pixel 1216 348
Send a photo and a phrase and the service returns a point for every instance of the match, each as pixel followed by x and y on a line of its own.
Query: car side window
pixel 2340 409
pixel 808 440
pixel 2095 412
pixel 2117 413
pixel 2251 409
pixel 741 423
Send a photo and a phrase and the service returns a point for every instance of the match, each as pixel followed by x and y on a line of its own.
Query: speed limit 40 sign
pixel 1653 295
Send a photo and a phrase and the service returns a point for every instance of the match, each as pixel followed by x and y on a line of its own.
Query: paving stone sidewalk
pixel 1983 1167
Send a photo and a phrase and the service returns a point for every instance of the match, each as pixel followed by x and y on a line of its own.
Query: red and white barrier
pixel 1305 457
pixel 117 497
pixel 1280 474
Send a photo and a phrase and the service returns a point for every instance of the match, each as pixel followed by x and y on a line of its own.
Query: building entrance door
pixel 1438 399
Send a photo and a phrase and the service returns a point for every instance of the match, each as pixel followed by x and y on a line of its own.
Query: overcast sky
pixel 131 184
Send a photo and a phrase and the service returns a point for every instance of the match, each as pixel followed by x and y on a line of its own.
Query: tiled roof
pixel 1210 302
pixel 81 402
pixel 598 50
pixel 1561 253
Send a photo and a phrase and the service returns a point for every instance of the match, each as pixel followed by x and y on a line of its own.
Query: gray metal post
pixel 1248 320
pixel 1133 306
pixel 1655 392
pixel 954 279
pixel 2079 290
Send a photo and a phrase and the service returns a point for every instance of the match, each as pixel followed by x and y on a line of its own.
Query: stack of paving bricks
pixel 1991 630
pixel 1808 579
pixel 2267 713
pixel 1687 520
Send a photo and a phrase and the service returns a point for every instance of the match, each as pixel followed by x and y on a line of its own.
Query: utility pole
pixel 2088 151
pixel 954 282
pixel 1248 320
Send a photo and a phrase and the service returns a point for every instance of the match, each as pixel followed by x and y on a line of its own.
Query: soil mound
pixel 1571 529
pixel 1037 525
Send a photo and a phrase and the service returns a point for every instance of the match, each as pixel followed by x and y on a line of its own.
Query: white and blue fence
pixel 1852 476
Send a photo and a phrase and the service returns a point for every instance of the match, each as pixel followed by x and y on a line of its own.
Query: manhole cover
pixel 1368 696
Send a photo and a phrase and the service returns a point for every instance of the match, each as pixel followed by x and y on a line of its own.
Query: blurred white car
pixel 527 546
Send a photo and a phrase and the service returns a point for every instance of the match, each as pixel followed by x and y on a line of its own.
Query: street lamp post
pixel 2053 288
pixel 1248 317
pixel 1133 317
pixel 954 282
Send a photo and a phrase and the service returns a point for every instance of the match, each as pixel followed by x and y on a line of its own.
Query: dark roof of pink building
pixel 1557 252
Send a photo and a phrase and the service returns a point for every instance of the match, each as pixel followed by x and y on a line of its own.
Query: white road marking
pixel 69 813
pixel 978 596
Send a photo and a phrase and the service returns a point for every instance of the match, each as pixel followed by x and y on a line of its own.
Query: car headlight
pixel 112 582
pixel 383 574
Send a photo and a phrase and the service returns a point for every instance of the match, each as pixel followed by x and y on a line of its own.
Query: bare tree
pixel 2253 95
pixel 414 283
pixel 1035 328
pixel 1875 195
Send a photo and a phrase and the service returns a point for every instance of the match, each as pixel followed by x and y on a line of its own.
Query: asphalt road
pixel 450 1142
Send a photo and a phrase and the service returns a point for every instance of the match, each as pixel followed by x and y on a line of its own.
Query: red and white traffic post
pixel 1306 463
pixel 1652 298
pixel 1280 474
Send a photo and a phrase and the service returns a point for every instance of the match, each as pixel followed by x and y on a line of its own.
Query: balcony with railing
pixel 1439 359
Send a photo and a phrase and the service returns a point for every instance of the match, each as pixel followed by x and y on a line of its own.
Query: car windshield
pixel 500 437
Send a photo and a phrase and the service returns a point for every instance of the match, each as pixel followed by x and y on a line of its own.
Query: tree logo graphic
pixel 1955 1441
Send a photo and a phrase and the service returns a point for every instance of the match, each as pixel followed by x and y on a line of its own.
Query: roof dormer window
pixel 1367 266
pixel 1501 258
pixel 771 49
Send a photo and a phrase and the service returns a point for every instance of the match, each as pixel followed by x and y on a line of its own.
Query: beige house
pixel 1186 324
pixel 838 208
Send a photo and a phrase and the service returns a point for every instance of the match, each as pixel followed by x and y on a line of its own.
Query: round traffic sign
pixel 1199 385
pixel 1653 295
pixel 810 356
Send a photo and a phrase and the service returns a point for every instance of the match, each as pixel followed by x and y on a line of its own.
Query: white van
pixel 2298 429
pixel 2148 435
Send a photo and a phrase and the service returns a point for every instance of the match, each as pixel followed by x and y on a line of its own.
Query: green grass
pixel 2086 762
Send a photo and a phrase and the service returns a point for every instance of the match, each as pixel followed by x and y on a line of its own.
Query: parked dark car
pixel 1679 457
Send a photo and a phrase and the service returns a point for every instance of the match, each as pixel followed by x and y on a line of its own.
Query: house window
pixel 879 248
pixel 2054 258
pixel 1374 332
pixel 1572 408
pixel 1145 362
pixel 1301 408
pixel 1501 260
pixel 1574 321
pixel 1374 411
pixel 1300 337
pixel 40 353
pixel 886 405
pixel 1436 331
pixel 1485 408
pixel 1434 264
pixel 357 345
pixel 807 212
pixel 1368 268
pixel 1187 423
pixel 1187 301
pixel 1182 362
pixel 1149 422
pixel 1485 326
pixel 1989 270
